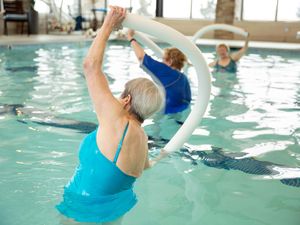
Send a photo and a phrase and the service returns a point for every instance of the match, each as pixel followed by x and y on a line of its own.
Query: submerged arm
pixel 153 162
pixel 212 64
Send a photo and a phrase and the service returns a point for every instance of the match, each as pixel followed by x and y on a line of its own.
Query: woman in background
pixel 226 62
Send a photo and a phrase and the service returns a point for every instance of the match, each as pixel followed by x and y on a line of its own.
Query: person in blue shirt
pixel 226 62
pixel 168 74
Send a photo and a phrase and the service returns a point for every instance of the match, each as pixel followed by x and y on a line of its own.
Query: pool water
pixel 255 112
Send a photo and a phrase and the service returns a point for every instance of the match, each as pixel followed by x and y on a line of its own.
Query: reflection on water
pixel 258 104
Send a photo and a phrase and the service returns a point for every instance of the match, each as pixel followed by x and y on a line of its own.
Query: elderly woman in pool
pixel 112 157
pixel 225 61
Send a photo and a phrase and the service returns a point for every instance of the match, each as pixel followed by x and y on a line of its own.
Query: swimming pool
pixel 255 111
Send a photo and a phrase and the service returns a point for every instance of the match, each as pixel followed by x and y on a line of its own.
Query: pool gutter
pixel 6 41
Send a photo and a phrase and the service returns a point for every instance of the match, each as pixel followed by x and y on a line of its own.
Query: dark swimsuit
pixel 230 68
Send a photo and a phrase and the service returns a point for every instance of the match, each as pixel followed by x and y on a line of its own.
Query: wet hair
pixel 176 56
pixel 146 97
pixel 223 45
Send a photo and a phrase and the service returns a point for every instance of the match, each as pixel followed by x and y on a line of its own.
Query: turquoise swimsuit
pixel 98 191
pixel 230 68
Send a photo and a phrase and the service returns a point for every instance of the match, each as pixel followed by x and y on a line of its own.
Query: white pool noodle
pixel 177 39
pixel 146 41
pixel 217 26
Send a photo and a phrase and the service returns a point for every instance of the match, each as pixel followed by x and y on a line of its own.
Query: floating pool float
pixel 218 26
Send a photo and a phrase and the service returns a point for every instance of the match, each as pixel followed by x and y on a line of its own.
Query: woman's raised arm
pixel 103 100
pixel 236 56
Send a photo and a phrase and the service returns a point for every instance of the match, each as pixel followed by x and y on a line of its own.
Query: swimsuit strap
pixel 231 60
pixel 120 144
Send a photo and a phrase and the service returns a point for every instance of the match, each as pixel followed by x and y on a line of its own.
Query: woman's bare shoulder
pixel 133 155
pixel 137 134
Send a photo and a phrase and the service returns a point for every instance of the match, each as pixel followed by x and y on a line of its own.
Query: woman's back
pixel 98 180
pixel 110 162
pixel 134 151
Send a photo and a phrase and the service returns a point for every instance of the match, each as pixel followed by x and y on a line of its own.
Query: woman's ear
pixel 127 99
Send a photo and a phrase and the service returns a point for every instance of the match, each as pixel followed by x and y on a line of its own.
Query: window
pixel 41 7
pixel 123 3
pixel 144 7
pixel 55 6
pixel 205 9
pixel 288 10
pixel 177 9
pixel 141 7
pixel 259 10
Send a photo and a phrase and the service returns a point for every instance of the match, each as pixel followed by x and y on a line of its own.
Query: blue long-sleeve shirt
pixel 176 84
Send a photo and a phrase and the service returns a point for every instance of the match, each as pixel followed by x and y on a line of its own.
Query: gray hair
pixel 146 97
pixel 223 45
